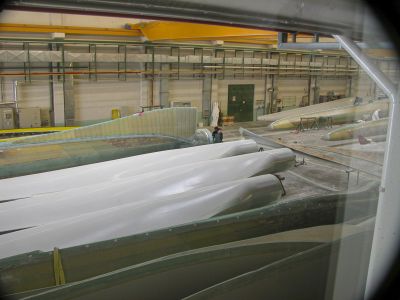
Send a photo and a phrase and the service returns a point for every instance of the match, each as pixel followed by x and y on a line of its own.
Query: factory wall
pixel 337 85
pixel 364 86
pixel 185 91
pixel 36 94
pixel 94 100
pixel 291 91
pixel 33 94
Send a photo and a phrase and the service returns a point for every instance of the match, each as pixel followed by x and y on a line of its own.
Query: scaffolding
pixel 122 61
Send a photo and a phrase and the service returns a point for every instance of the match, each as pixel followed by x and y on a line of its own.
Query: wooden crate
pixel 228 120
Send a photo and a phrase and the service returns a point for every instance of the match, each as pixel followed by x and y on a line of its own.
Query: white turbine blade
pixel 139 217
pixel 42 209
pixel 29 185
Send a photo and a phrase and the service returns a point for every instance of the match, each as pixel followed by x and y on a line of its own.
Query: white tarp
pixel 214 115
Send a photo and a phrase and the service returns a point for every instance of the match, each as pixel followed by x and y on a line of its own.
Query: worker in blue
pixel 217 135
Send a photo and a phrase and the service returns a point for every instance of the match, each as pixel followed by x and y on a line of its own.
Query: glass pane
pixel 243 155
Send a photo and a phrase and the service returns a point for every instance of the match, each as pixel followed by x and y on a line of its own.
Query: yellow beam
pixel 30 28
pixel 160 30
pixel 34 130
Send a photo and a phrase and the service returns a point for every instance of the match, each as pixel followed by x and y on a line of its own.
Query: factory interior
pixel 197 150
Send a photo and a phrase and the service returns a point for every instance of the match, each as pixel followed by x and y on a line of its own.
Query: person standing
pixel 376 115
pixel 217 135
pixel 279 104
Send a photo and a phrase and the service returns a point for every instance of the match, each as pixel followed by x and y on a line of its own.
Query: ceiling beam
pixel 325 17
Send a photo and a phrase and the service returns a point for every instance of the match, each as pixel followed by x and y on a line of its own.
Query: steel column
pixel 164 86
pixel 206 99
pixel 51 89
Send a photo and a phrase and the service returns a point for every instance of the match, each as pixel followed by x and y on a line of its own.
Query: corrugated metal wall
pixel 95 100
pixel 292 90
pixel 364 86
pixel 33 94
pixel 339 86
pixel 186 90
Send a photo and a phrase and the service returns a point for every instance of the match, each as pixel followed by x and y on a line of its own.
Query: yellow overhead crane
pixel 180 31
pixel 159 31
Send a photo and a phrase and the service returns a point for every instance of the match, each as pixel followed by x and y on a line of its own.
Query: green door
pixel 241 101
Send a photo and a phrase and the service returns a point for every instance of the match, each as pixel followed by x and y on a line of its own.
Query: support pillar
pixel 349 81
pixel 150 99
pixel 69 100
pixel 164 87
pixel 268 93
pixel 309 91
pixel 349 90
pixel 314 93
pixel 273 92
pixel 51 47
pixel 282 37
pixel 265 95
pixel 206 99
pixel 294 37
